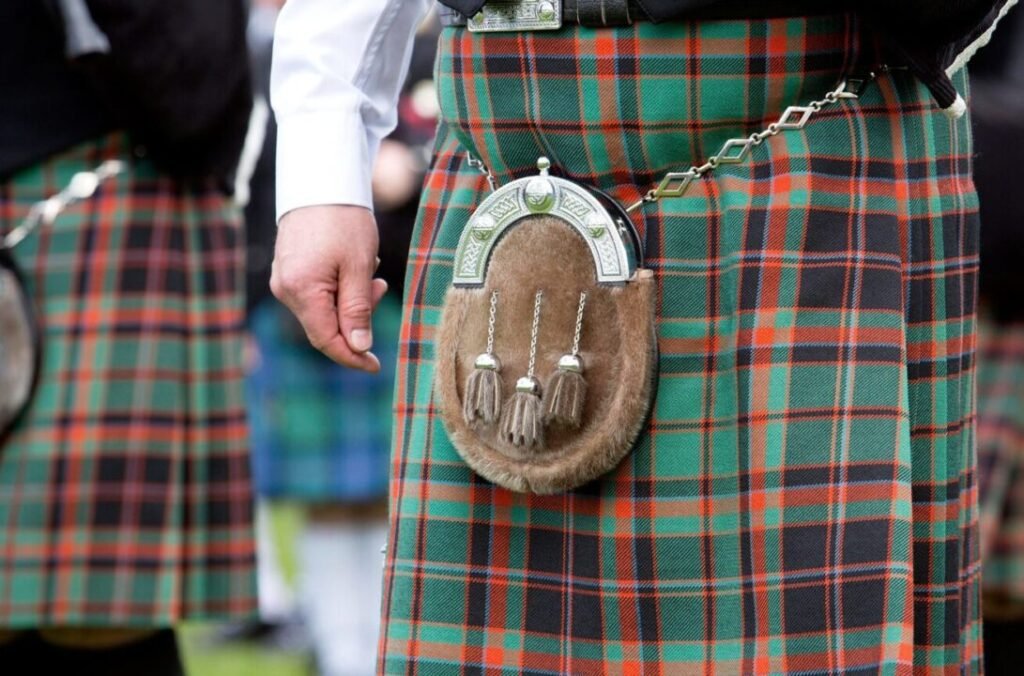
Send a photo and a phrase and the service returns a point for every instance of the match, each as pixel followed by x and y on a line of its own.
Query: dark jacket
pixel 928 36
pixel 997 102
pixel 173 74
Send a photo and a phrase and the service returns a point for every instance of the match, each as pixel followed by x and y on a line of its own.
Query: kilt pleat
pixel 125 496
pixel 1001 464
pixel 803 499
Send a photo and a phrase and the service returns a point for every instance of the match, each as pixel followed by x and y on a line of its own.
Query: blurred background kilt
pixel 804 496
pixel 320 432
pixel 1001 466
pixel 125 492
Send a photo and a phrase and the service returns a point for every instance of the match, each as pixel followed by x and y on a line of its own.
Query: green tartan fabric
pixel 803 499
pixel 124 493
pixel 1001 462
pixel 319 431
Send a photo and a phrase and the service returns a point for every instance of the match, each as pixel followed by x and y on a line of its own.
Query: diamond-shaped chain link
pixel 482 168
pixel 736 150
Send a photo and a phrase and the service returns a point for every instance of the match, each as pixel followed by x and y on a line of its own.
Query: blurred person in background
pixel 997 92
pixel 320 432
pixel 125 498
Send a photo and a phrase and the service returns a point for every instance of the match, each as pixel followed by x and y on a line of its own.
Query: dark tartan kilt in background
pixel 320 432
pixel 124 494
pixel 804 498
pixel 1001 464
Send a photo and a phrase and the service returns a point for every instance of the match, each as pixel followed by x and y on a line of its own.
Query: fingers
pixel 380 287
pixel 319 319
pixel 355 306
pixel 338 349
pixel 325 258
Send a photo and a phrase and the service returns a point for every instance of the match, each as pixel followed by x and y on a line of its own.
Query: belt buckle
pixel 517 15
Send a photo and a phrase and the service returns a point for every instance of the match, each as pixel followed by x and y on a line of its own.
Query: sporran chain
pixel 733 151
pixel 579 324
pixel 83 185
pixel 482 168
pixel 533 334
pixel 491 321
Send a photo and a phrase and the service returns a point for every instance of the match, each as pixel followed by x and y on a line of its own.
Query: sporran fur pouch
pixel 546 350
pixel 19 343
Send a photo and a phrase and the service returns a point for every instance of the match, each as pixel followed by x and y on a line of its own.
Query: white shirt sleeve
pixel 337 72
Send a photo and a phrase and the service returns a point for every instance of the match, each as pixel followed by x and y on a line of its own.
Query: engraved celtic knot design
pixel 613 255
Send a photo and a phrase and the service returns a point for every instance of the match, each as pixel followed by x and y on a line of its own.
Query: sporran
pixel 547 351
pixel 20 332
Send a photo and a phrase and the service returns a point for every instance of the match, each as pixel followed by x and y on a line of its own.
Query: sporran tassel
pixel 566 392
pixel 482 398
pixel 522 423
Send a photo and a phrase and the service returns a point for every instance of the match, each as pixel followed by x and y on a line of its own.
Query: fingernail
pixel 361 340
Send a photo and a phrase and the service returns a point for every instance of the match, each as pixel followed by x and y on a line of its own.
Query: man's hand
pixel 324 262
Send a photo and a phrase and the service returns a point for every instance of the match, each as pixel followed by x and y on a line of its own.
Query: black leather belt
pixel 595 13
pixel 598 13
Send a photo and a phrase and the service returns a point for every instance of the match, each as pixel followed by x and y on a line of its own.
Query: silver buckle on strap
pixel 517 15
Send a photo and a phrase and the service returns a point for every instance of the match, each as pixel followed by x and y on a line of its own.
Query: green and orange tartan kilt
pixel 803 499
pixel 1001 465
pixel 125 495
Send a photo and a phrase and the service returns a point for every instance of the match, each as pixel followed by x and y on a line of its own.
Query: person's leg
pixel 276 598
pixel 340 584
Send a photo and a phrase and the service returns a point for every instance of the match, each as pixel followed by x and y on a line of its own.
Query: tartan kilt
pixel 125 496
pixel 320 432
pixel 803 498
pixel 1001 463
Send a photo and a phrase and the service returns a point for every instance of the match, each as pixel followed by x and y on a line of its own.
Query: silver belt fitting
pixel 517 15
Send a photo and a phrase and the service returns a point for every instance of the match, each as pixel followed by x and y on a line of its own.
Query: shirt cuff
pixel 322 158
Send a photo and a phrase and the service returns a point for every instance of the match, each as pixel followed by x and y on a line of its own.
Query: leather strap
pixel 601 13
pixel 593 13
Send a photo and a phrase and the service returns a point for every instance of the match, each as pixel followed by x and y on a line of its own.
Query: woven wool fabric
pixel 803 499
pixel 320 431
pixel 1001 461
pixel 124 494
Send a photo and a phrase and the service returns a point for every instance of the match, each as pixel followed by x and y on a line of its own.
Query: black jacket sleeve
pixel 177 76
pixel 929 36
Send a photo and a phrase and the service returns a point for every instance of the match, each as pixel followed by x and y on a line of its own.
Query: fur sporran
pixel 19 344
pixel 20 335
pixel 546 350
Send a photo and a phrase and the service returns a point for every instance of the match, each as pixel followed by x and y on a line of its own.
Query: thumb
pixel 355 305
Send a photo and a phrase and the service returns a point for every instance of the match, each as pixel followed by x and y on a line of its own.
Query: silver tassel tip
pixel 528 385
pixel 571 362
pixel 487 361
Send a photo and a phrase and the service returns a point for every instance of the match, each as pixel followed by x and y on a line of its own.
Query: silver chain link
pixel 579 324
pixel 736 150
pixel 733 151
pixel 533 334
pixel 82 186
pixel 491 322
pixel 482 168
